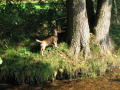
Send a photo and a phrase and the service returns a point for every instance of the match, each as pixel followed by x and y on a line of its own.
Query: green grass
pixel 23 66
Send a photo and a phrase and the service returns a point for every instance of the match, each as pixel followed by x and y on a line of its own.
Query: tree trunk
pixel 103 25
pixel 80 29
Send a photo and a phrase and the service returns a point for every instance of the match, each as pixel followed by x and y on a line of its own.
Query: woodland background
pixel 22 21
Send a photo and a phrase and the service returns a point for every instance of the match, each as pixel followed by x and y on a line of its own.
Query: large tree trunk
pixel 103 25
pixel 80 29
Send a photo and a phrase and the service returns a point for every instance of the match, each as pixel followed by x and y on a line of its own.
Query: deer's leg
pixel 42 49
pixel 55 43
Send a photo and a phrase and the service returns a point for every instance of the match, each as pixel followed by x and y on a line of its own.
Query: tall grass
pixel 23 66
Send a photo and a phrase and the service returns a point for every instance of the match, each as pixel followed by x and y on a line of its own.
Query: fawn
pixel 50 40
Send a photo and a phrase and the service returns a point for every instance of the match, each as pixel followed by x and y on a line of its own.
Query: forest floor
pixel 109 81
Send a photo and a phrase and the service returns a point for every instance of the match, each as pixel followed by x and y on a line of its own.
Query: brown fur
pixel 48 41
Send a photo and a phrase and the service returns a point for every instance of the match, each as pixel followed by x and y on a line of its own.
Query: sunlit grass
pixel 23 66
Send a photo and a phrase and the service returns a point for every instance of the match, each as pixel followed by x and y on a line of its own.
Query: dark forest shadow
pixel 19 70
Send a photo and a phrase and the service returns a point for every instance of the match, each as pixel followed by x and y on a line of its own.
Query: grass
pixel 20 65
pixel 23 65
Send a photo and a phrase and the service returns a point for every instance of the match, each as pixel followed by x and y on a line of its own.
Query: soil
pixel 110 81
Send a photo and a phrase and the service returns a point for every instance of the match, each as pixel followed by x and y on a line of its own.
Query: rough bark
pixel 80 29
pixel 103 25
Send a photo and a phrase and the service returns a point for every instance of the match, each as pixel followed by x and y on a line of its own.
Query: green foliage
pixel 21 21
pixel 97 67
pixel 95 49
pixel 115 34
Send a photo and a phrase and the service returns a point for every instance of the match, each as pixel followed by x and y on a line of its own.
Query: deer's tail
pixel 38 41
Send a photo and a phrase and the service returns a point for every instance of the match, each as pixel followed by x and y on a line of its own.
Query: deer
pixel 52 39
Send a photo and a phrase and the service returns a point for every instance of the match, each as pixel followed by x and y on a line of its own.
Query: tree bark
pixel 103 25
pixel 80 29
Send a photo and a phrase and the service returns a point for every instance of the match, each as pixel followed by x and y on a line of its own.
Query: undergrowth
pixel 20 65
pixel 24 64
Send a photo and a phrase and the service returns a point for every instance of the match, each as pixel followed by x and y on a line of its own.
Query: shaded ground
pixel 110 81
